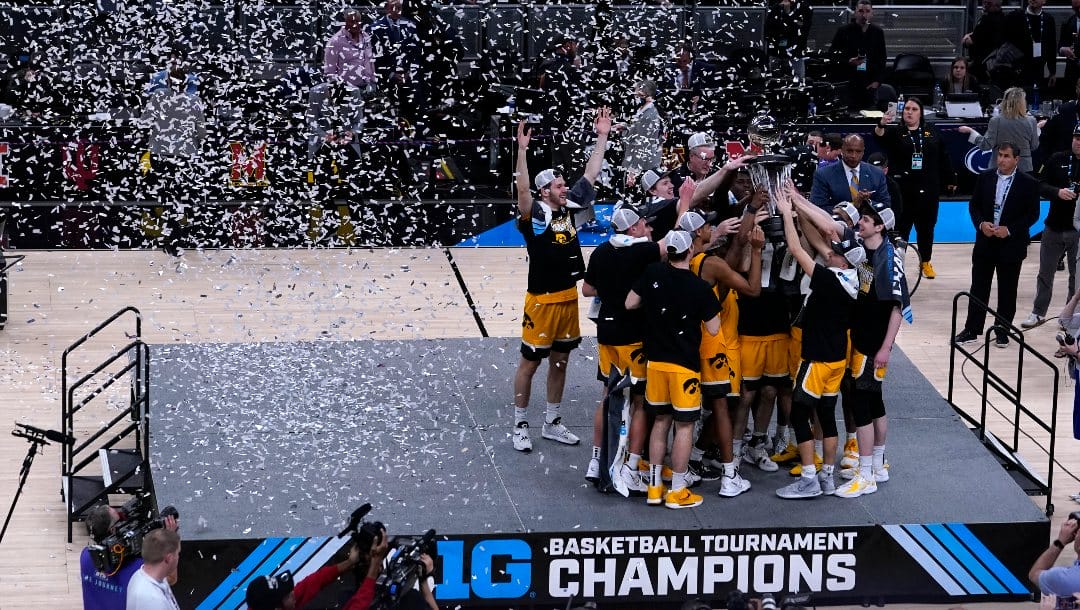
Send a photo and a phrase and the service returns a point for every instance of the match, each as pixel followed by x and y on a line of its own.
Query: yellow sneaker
pixel 791 452
pixel 666 473
pixel 655 495
pixel 851 454
pixel 796 471
pixel 684 498
pixel 928 271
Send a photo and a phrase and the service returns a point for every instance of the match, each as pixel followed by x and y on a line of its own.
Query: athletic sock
pixel 552 412
pixel 655 478
pixel 819 448
pixel 757 439
pixel 828 469
pixel 879 457
pixel 633 461
pixel 696 454
pixel 729 469
pixel 519 415
pixel 809 472
pixel 595 452
pixel 736 447
pixel 866 466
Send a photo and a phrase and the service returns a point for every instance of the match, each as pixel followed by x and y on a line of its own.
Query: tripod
pixel 35 442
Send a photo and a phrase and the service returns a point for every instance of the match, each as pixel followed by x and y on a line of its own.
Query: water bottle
pixel 811 109
pixel 938 97
pixel 1035 99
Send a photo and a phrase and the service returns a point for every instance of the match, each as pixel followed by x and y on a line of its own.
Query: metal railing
pixel 1012 392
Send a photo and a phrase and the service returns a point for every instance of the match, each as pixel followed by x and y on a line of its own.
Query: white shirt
pixel 1001 191
pixel 145 593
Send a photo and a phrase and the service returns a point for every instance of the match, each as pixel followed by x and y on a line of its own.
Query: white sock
pixel 655 480
pixel 809 472
pixel 552 412
pixel 595 452
pixel 696 454
pixel 819 448
pixel 633 461
pixel 879 457
pixel 729 469
pixel 827 469
pixel 678 480
pixel 736 447
pixel 866 465
pixel 519 415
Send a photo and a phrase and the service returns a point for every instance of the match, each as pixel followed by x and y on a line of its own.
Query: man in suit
pixel 851 180
pixel 1003 207
pixel 1069 42
pixel 1034 32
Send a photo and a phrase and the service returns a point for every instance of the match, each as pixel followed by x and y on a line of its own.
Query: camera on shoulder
pixel 139 517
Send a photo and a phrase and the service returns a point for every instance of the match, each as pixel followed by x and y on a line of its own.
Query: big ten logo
pixel 5 150
pixel 247 168
pixel 79 160
pixel 492 569
pixel 735 150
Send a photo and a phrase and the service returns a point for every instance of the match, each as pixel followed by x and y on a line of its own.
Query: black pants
pixel 982 274
pixel 921 211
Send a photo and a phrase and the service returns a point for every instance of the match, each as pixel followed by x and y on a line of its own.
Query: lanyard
pixel 1005 194
pixel 916 140
pixel 1034 33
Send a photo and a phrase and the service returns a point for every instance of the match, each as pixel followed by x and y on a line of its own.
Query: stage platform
pixel 267 448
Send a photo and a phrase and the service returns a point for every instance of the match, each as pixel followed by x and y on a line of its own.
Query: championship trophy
pixel 769 171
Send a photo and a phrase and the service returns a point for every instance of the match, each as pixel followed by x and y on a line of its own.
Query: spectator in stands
pixel 1004 205
pixel 562 80
pixel 642 140
pixel 109 591
pixel 397 51
pixel 859 50
pixel 921 165
pixel 959 79
pixel 33 95
pixel 986 37
pixel 175 118
pixel 149 587
pixel 1056 134
pixel 1033 31
pixel 1061 581
pixel 787 26
pixel 830 153
pixel 348 55
pixel 1059 177
pixel 687 78
pixel 1069 41
pixel 852 180
pixel 1014 125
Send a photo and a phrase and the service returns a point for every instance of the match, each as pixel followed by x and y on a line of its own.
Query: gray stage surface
pixel 286 439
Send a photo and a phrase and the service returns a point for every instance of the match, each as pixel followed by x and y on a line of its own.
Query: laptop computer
pixel 963 106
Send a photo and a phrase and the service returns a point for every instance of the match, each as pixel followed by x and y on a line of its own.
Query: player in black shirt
pixel 825 319
pixel 549 326
pixel 677 304
pixel 613 268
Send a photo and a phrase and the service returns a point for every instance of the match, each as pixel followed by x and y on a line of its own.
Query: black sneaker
pixel 705 471
pixel 964 337
pixel 1001 341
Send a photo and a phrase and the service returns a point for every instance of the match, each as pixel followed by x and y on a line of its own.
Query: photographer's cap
pixel 624 218
pixel 849 248
pixel 699 139
pixel 268 592
pixel 544 178
pixel 691 221
pixel 651 177
pixel 881 212
pixel 678 242
pixel 1076 130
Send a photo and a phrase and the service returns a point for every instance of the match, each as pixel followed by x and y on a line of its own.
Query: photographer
pixel 1060 582
pixel 274 592
pixel 369 595
pixel 108 591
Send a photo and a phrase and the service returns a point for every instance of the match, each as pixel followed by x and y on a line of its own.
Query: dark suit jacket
pixel 831 185
pixel 1020 211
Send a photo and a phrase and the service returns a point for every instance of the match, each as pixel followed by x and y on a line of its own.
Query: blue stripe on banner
pixel 946 560
pixel 324 555
pixel 301 556
pixel 958 550
pixel 269 566
pixel 252 562
pixel 926 561
pixel 987 558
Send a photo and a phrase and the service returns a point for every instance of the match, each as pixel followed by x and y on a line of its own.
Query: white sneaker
pixel 1032 321
pixel 633 481
pixel 759 456
pixel 881 475
pixel 555 431
pixel 522 442
pixel 592 475
pixel 733 485
pixel 857 486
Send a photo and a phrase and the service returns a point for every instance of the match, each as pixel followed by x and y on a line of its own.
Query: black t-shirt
pixel 676 302
pixel 870 321
pixel 764 315
pixel 613 271
pixel 661 214
pixel 826 316
pixel 555 261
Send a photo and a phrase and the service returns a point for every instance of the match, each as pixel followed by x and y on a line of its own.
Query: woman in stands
pixel 1014 124
pixel 920 164
pixel 959 79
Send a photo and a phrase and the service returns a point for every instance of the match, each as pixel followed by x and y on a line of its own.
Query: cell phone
pixel 891 108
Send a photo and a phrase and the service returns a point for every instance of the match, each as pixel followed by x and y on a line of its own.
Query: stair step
pixel 118 463
pixel 84 489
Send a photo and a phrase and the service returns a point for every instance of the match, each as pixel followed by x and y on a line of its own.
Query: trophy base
pixel 773 227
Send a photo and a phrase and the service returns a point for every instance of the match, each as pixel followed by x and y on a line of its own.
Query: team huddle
pixel 713 320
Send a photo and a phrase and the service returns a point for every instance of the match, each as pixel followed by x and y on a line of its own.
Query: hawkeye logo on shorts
pixel 690 386
pixel 527 322
pixel 638 355
pixel 719 361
